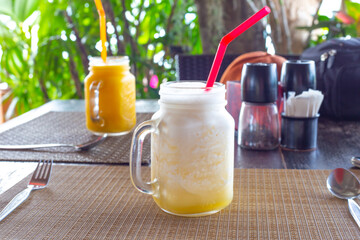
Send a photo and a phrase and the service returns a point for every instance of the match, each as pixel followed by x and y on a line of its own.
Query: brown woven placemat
pixel 68 127
pixel 99 202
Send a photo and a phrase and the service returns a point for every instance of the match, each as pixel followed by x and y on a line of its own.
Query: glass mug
pixel 192 150
pixel 110 96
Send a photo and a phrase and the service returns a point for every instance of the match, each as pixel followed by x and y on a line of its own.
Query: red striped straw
pixel 228 38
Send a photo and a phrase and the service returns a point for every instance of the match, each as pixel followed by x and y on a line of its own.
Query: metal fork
pixel 39 180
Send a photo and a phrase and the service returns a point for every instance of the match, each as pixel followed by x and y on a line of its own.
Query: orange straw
pixel 228 38
pixel 102 16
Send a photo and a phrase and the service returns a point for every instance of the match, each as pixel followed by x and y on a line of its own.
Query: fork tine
pixel 47 170
pixel 43 170
pixel 36 172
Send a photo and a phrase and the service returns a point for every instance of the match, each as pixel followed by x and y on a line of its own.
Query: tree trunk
pixel 236 12
pixel 83 52
pixel 219 17
pixel 110 13
pixel 75 77
pixel 286 16
pixel 211 23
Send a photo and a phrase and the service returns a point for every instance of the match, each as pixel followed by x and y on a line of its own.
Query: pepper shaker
pixel 258 121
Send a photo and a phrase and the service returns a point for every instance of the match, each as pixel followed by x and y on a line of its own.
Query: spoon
pixel 355 161
pixel 343 184
pixel 80 147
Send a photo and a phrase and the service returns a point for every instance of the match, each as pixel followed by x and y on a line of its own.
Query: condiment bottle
pixel 298 76
pixel 258 121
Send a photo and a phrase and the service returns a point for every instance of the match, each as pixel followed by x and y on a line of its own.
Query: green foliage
pixel 46 44
pixel 342 24
pixel 353 9
pixel 18 10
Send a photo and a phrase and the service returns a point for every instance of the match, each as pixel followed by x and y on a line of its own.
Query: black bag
pixel 338 76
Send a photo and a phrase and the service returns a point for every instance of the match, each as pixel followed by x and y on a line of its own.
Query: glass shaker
pixel 259 121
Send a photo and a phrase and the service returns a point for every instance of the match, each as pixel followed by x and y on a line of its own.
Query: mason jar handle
pixel 136 155
pixel 94 101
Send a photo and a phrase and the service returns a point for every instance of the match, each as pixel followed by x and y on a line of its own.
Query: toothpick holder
pixel 299 133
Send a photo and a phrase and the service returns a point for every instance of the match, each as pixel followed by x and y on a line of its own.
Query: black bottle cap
pixel 298 76
pixel 259 83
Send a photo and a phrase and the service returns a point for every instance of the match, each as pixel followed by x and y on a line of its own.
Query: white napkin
pixel 306 104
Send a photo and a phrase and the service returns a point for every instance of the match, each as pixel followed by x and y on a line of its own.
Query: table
pixel 337 142
pixel 13 172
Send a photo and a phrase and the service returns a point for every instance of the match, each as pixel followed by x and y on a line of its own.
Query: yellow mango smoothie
pixel 192 162
pixel 110 97
pixel 192 150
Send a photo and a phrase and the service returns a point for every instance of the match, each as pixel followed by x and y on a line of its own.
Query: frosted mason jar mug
pixel 192 150
pixel 110 96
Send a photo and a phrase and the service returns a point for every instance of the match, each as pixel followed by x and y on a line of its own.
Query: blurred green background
pixel 45 45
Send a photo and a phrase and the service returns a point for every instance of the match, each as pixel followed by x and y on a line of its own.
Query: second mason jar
pixel 259 121
pixel 110 96
pixel 192 150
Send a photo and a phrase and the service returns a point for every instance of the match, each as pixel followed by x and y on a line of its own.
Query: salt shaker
pixel 258 121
